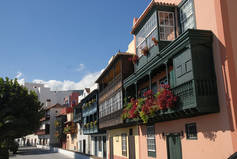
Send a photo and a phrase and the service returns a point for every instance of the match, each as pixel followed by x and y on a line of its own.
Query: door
pixel 95 146
pixel 131 145
pixel 174 146
pixel 111 148
pixel 104 147
pixel 84 146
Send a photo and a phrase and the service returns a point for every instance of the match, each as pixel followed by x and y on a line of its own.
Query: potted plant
pixel 155 41
pixel 92 124
pixel 95 122
pixel 134 59
pixel 145 51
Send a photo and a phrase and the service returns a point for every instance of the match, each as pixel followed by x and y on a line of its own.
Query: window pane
pixel 151 141
pixel 145 32
pixel 187 16
pixel 167 28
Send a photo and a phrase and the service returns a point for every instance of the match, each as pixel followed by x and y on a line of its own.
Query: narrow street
pixel 34 153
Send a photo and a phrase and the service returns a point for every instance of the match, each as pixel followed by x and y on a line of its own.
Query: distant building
pixel 52 102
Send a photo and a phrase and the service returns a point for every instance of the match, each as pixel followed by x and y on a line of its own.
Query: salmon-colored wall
pixel 221 21
pixel 216 132
pixel 213 139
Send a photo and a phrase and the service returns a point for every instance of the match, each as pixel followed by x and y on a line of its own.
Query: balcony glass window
pixel 167 26
pixel 111 105
pixel 144 36
pixel 186 16
pixel 154 87
pixel 151 141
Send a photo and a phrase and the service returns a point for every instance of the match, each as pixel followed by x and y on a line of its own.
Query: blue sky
pixel 63 40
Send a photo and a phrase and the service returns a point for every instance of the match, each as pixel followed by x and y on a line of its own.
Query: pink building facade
pixel 209 135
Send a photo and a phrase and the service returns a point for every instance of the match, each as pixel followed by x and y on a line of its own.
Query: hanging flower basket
pixel 145 51
pixel 155 41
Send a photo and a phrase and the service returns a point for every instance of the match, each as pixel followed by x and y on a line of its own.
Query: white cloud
pixel 18 75
pixel 20 79
pixel 87 81
pixel 80 68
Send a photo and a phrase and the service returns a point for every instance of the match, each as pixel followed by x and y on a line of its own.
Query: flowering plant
pixel 155 41
pixel 56 123
pixel 165 98
pixel 147 107
pixel 56 134
pixel 145 51
pixel 134 59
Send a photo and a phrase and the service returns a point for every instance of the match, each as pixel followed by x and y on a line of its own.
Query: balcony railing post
pixel 136 89
pixel 149 74
pixel 167 71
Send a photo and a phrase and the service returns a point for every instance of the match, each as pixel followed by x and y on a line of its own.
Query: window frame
pixel 151 136
pixel 124 144
pixel 166 26
pixel 180 5
pixel 188 132
pixel 138 45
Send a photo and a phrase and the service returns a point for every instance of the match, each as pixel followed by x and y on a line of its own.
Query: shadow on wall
pixel 208 125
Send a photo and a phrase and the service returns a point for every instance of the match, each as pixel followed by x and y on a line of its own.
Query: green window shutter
pixel 171 79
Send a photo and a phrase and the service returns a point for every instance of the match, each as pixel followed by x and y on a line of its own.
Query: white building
pixel 48 98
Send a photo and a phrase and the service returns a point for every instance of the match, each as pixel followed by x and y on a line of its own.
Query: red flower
pixel 166 98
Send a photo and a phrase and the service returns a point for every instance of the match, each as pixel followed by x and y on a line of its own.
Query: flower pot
pixel 155 41
pixel 145 51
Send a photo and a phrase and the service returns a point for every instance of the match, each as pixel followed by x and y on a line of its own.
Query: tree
pixel 20 112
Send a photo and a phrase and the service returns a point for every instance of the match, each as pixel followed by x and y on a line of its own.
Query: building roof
pixel 55 106
pixel 119 54
pixel 147 10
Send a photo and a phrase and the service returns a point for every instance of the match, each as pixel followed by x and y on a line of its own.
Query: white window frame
pixel 151 138
pixel 166 26
pixel 190 5
pixel 124 143
pixel 138 46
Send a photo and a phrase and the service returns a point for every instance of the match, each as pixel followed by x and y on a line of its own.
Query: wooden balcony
pixel 90 130
pixel 193 79
pixel 114 85
pixel 111 120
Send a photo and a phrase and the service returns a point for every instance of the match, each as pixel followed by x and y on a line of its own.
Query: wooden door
pixel 111 148
pixel 96 146
pixel 104 147
pixel 131 146
pixel 84 146
pixel 174 146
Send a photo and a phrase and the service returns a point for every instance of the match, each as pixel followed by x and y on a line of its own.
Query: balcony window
pixel 154 87
pixel 186 15
pixel 166 26
pixel 163 81
pixel 144 36
pixel 111 105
